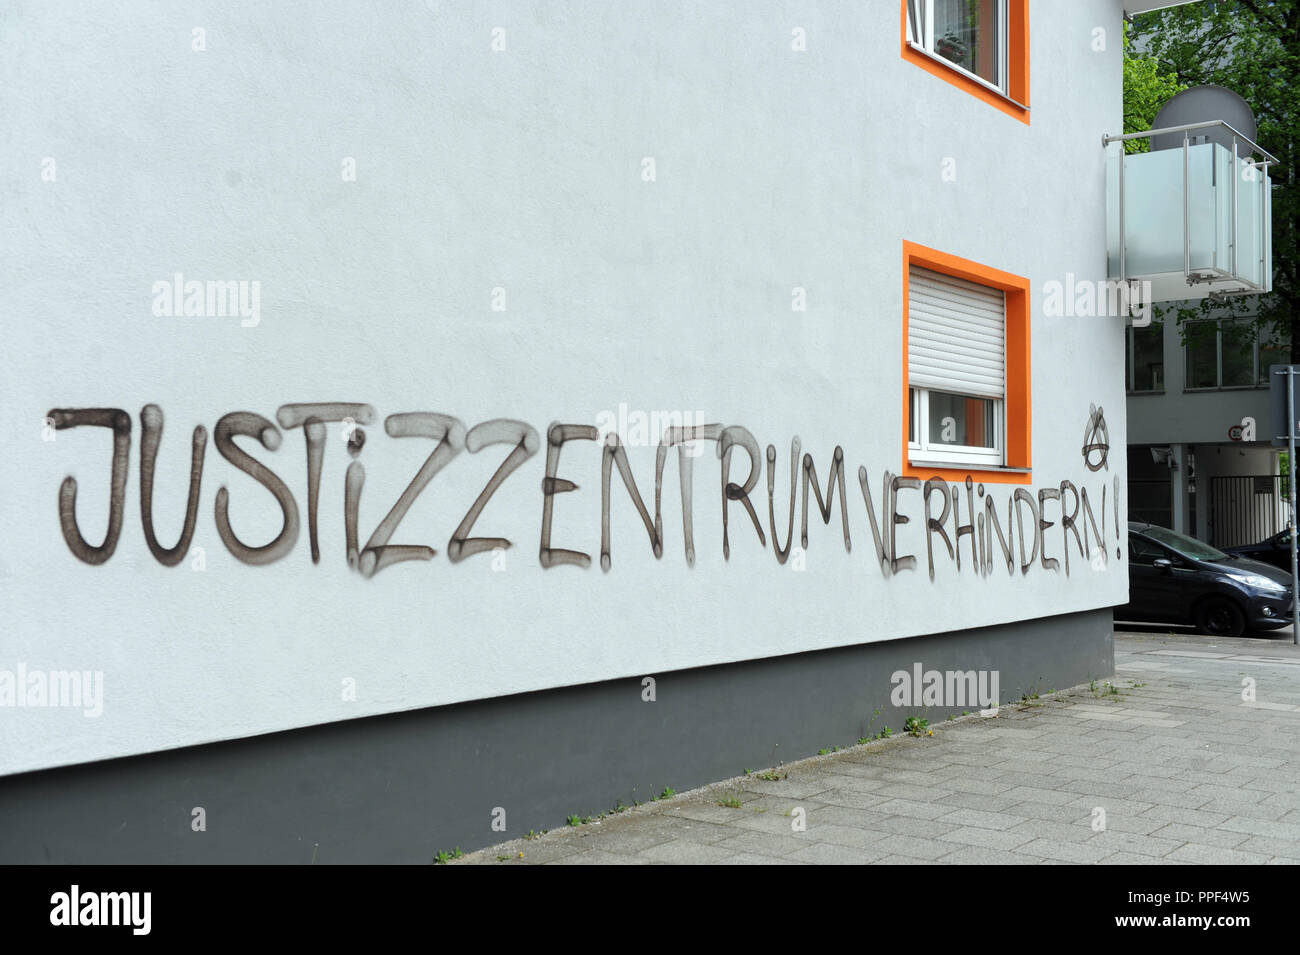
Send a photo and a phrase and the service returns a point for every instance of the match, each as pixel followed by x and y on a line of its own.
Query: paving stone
pixel 1067 851
pixel 916 847
pixel 1215 855
pixel 1252 826
pixel 1221 838
pixel 986 838
pixel 767 843
pixel 823 853
pixel 1038 829
pixel 1129 858
pixel 980 819
pixel 982 855
pixel 599 857
pixel 683 852
pixel 749 858
pixel 915 809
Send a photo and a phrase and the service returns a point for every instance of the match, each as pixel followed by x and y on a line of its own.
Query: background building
pixel 1193 395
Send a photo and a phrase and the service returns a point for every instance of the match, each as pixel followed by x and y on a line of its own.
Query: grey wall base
pixel 399 788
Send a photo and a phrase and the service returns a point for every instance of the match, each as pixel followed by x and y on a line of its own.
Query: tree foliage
pixel 1147 87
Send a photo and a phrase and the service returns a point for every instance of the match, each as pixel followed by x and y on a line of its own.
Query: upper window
pixel 979 45
pixel 967 369
pixel 970 34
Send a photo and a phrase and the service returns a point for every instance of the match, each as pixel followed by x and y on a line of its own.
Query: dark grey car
pixel 1178 579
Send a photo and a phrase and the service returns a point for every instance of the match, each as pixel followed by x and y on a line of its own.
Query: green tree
pixel 1147 87
pixel 1252 47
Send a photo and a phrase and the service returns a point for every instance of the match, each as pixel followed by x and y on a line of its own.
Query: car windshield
pixel 1187 546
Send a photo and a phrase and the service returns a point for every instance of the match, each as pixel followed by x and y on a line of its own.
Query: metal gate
pixel 1246 508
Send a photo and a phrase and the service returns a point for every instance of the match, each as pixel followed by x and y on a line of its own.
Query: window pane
pixel 1143 551
pixel 960 420
pixel 1149 357
pixel 1238 354
pixel 968 33
pixel 1271 352
pixel 913 413
pixel 1202 355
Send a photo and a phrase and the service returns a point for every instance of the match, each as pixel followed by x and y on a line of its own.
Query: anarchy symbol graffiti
pixel 1096 440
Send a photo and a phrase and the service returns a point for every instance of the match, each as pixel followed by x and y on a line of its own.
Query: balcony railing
pixel 1195 221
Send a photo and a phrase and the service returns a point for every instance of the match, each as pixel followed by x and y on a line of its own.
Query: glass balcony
pixel 1193 221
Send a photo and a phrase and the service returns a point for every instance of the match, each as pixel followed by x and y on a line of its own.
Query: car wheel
pixel 1220 617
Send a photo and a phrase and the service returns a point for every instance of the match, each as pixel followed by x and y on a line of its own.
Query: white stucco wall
pixel 519 169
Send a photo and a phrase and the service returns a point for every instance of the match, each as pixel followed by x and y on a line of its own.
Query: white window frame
pixel 923 450
pixel 925 10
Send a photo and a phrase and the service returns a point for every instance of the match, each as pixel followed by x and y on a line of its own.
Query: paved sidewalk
pixel 1183 769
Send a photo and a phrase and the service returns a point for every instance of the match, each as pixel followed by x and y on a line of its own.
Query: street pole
pixel 1290 444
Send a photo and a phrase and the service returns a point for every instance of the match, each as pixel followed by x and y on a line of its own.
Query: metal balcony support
pixel 1123 266
pixel 1187 208
pixel 1236 174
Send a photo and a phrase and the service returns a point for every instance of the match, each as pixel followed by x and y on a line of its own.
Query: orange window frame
pixel 1018 425
pixel 1016 101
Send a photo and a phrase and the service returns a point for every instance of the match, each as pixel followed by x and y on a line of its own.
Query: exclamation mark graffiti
pixel 1118 526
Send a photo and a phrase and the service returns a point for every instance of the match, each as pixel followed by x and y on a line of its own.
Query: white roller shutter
pixel 956 335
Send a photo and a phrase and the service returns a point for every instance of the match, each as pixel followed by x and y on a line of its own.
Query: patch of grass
pixel 574 820
pixel 668 792
pixel 730 802
pixel 916 726
pixel 445 856
pixel 885 733
pixel 772 776
pixel 1105 689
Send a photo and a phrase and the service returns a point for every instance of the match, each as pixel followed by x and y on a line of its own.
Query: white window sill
pixel 966 466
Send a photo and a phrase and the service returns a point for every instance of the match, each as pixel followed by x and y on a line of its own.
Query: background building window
pixel 1229 354
pixel 1237 355
pixel 1202 355
pixel 1271 352
pixel 1145 358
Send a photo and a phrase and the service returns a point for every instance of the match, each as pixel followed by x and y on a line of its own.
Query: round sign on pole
pixel 1234 432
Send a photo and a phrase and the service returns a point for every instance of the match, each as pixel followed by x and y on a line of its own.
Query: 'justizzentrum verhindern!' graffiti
pixel 952 517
